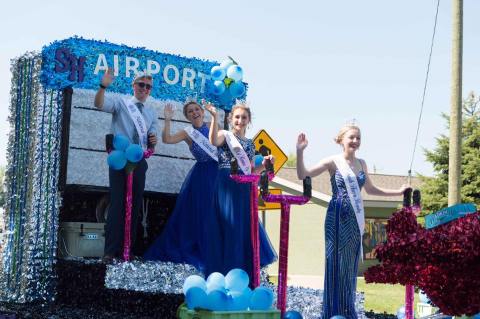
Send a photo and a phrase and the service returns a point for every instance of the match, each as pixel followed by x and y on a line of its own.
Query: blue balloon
pixel 337 317
pixel 134 153
pixel 216 281
pixel 196 297
pixel 237 89
pixel 401 312
pixel 218 88
pixel 226 99
pixel 120 142
pixel 236 280
pixel 261 299
pixel 235 73
pixel 217 300
pixel 258 160
pixel 240 300
pixel 217 73
pixel 477 316
pixel 117 160
pixel 292 314
pixel 194 281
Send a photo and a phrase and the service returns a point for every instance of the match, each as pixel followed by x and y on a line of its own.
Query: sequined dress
pixel 342 250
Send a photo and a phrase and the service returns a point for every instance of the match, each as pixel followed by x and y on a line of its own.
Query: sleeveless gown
pixel 232 212
pixel 342 249
pixel 185 238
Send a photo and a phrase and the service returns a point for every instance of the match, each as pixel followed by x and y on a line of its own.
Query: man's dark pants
pixel 115 227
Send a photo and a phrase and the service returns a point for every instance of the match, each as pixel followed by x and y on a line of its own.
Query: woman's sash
pixel 239 153
pixel 202 141
pixel 353 191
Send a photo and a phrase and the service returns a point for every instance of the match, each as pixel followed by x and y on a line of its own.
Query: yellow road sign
pixel 262 205
pixel 265 145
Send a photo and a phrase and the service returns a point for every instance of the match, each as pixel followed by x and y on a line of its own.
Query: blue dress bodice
pixel 196 150
pixel 225 155
pixel 338 184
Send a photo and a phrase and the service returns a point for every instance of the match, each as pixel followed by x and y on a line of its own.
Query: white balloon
pixel 235 73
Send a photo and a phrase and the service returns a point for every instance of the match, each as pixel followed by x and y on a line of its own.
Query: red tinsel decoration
pixel 443 261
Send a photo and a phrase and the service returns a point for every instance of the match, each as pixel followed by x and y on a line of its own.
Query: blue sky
pixel 311 65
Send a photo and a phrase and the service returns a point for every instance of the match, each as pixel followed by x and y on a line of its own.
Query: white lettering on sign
pixel 172 75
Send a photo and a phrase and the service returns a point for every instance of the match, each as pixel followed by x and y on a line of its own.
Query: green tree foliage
pixel 292 160
pixel 434 190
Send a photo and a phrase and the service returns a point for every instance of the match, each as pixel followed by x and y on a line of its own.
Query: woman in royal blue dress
pixel 344 223
pixel 232 199
pixel 185 236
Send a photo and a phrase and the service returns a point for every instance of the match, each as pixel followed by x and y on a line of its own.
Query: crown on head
pixel 351 122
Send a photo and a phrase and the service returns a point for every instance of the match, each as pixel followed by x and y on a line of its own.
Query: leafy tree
pixel 435 190
pixel 292 160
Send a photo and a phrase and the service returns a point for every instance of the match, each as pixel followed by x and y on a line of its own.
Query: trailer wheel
pixel 101 211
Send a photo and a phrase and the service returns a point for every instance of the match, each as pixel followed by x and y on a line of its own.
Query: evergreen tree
pixel 434 190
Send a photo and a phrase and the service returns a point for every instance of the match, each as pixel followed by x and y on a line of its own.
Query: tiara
pixel 242 102
pixel 351 122
pixel 191 99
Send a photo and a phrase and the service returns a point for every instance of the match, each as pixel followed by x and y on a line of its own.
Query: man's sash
pixel 353 190
pixel 239 153
pixel 139 122
pixel 202 141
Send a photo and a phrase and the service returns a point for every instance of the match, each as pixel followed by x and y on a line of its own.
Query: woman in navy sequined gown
pixel 232 201
pixel 185 236
pixel 343 228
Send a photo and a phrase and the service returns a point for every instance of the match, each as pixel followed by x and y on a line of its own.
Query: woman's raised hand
pixel 302 142
pixel 168 111
pixel 210 108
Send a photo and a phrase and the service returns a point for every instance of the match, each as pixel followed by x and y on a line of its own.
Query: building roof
pixel 322 189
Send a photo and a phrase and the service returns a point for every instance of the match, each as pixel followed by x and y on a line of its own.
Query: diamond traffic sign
pixel 265 145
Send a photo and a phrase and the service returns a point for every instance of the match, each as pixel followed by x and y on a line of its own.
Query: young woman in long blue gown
pixel 185 238
pixel 344 222
pixel 232 200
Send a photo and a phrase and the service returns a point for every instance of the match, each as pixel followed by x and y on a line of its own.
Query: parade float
pixel 57 181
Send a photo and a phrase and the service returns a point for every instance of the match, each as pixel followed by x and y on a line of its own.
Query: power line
pixel 424 90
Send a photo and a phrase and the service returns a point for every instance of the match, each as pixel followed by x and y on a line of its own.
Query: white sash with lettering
pixel 139 122
pixel 353 190
pixel 202 141
pixel 239 153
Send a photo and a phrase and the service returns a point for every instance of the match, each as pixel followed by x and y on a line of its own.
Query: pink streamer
pixel 128 217
pixel 128 209
pixel 253 181
pixel 409 296
pixel 147 153
pixel 286 201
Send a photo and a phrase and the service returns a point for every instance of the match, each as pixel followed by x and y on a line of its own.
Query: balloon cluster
pixel 227 83
pixel 226 293
pixel 123 152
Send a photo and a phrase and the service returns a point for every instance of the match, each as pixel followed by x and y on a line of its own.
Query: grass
pixel 381 297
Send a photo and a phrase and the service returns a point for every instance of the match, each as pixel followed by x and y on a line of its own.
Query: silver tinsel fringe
pixel 31 217
pixel 162 277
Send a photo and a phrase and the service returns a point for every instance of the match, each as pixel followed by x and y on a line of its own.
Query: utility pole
pixel 455 150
